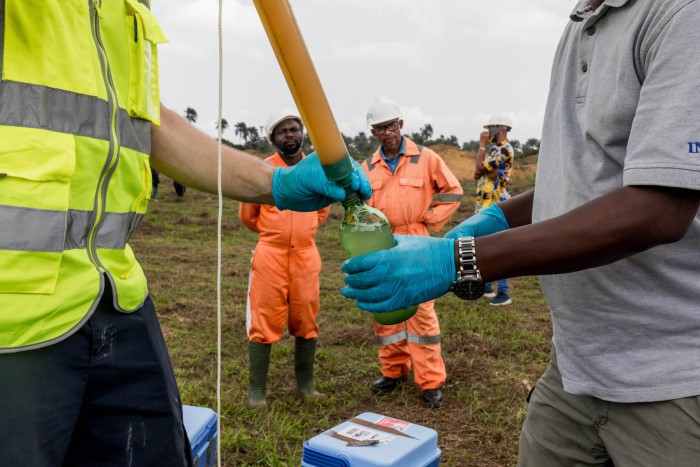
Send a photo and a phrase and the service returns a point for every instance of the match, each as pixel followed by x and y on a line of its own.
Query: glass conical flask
pixel 364 230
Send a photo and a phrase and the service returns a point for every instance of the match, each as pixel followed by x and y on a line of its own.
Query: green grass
pixel 492 354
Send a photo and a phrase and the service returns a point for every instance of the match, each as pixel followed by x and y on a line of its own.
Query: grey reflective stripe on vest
pixel 31 229
pixel 114 232
pixel 424 340
pixel 447 197
pixel 393 339
pixel 34 106
pixel 27 229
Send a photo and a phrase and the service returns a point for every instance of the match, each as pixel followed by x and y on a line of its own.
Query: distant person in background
pixel 179 189
pixel 284 275
pixel 155 181
pixel 492 170
pixel 416 191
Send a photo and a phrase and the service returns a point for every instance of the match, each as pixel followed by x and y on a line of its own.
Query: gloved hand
pixel 416 270
pixel 485 222
pixel 304 187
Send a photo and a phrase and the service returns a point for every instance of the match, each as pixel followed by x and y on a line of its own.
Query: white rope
pixel 218 239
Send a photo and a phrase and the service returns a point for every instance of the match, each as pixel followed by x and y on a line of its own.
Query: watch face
pixel 469 288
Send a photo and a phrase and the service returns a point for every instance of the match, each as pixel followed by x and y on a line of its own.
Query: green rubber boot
pixel 304 355
pixel 259 357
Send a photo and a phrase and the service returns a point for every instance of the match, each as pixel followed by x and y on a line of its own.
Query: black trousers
pixel 179 189
pixel 105 396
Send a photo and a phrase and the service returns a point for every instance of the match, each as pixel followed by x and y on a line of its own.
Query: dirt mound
pixel 461 163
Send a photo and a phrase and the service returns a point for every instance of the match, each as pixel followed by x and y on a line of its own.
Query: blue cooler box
pixel 200 424
pixel 373 440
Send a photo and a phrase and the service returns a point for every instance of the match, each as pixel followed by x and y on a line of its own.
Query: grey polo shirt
pixel 624 109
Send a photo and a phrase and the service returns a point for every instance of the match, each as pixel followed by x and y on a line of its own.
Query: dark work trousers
pixel 105 396
pixel 155 181
pixel 179 189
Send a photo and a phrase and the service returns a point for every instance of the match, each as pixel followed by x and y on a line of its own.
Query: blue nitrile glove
pixel 416 270
pixel 304 187
pixel 485 222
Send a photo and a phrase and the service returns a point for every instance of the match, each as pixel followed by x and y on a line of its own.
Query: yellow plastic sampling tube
pixel 299 71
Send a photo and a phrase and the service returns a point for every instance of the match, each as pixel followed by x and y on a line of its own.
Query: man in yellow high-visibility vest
pixel 85 378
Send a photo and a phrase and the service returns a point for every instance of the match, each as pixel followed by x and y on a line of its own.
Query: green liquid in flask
pixel 365 230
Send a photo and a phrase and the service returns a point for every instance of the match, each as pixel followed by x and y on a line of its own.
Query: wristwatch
pixel 469 285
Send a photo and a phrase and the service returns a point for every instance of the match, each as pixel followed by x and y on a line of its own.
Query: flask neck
pixel 352 199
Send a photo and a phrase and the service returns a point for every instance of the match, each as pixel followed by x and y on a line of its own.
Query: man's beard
pixel 290 149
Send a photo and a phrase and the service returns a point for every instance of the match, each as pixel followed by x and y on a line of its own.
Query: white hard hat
pixel 277 117
pixel 502 119
pixel 382 110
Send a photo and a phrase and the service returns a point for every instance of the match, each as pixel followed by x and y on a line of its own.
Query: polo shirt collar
pixel 584 9
pixel 402 149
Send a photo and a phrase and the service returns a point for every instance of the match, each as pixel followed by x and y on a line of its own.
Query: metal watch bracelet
pixel 467 258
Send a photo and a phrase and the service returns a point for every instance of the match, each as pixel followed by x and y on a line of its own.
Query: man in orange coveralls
pixel 416 190
pixel 284 276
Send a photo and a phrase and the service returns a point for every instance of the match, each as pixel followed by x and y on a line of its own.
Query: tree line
pixel 362 145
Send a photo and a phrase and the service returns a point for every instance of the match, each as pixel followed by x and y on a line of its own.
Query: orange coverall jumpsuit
pixel 284 276
pixel 422 193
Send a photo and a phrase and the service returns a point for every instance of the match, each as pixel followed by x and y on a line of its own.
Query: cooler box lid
pixel 200 423
pixel 373 440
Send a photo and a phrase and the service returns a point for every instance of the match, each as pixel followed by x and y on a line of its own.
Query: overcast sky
pixel 450 63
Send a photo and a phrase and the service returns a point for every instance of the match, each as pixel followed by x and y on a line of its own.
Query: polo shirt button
pixel 590 31
pixel 584 67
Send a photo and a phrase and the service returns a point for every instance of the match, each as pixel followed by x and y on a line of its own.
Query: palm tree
pixel 224 125
pixel 191 114
pixel 241 131
pixel 253 134
pixel 426 132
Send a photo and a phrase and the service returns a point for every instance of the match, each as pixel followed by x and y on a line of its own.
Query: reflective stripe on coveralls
pixel 74 143
pixel 398 337
pixel 419 348
pixel 422 193
pixel 283 286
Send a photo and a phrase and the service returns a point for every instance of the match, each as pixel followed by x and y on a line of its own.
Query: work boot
pixel 259 358
pixel 385 384
pixel 433 397
pixel 304 356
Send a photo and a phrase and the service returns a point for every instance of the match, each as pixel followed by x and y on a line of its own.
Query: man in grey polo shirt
pixel 612 227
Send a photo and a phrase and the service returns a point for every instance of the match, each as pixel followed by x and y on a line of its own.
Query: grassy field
pixel 493 355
